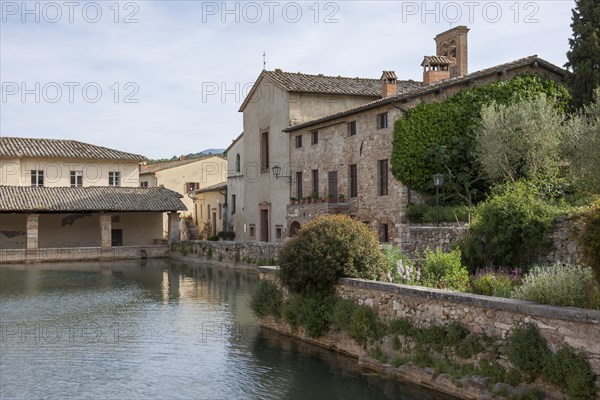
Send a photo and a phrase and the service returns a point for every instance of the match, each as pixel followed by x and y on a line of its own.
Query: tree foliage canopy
pixel 520 140
pixel 582 147
pixel 584 55
pixel 440 136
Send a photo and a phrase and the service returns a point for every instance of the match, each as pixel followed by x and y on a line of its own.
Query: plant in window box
pixel 315 198
pixel 293 200
pixel 302 200
pixel 330 198
pixel 309 199
pixel 342 198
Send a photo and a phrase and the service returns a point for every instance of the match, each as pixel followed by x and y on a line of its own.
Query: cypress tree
pixel 584 55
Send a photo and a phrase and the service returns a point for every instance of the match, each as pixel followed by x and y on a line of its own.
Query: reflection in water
pixel 160 329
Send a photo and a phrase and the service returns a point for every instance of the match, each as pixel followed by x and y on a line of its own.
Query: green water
pixel 160 330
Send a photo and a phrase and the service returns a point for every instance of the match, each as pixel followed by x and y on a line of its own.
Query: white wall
pixel 57 171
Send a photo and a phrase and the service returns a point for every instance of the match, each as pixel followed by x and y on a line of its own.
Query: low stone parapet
pixel 82 254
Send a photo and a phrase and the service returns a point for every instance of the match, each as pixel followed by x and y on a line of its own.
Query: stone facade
pixel 337 149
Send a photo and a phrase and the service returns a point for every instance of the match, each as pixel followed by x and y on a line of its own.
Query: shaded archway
pixel 294 228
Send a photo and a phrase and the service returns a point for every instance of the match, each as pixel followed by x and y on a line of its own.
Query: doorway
pixel 264 225
pixel 333 180
pixel 116 237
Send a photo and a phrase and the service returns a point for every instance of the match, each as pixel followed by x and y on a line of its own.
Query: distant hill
pixel 188 156
pixel 209 151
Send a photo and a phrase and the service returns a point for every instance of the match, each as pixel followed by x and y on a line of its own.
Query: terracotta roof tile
pixel 298 82
pixel 212 188
pixel 533 60
pixel 89 199
pixel 59 148
pixel 151 168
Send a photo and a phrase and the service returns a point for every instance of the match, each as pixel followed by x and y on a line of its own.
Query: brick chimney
pixel 388 84
pixel 435 68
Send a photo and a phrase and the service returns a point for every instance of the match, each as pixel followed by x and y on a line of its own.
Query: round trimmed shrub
pixel 329 247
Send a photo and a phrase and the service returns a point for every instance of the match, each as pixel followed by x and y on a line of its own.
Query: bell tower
pixel 453 44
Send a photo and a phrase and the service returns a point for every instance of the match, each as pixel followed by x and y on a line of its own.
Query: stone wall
pixel 564 239
pixel 417 238
pixel 229 252
pixel 561 326
pixel 82 254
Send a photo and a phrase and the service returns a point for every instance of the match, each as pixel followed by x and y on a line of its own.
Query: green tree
pixel 584 55
pixel 520 140
pixel 440 137
pixel 583 146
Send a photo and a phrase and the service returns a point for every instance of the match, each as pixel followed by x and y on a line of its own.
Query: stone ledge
pixel 497 303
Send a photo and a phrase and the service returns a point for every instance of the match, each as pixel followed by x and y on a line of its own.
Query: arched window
pixel 452 53
pixel 238 163
pixel 444 49
pixel 294 228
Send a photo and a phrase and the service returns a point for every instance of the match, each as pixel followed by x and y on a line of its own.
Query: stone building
pixel 276 101
pixel 346 156
pixel 64 199
pixel 184 176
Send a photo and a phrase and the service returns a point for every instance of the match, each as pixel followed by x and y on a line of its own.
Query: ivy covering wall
pixel 439 137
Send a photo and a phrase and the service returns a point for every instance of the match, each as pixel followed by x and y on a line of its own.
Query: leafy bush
pixel 512 227
pixel 444 270
pixel 400 268
pixel 342 313
pixel 266 300
pixel 527 349
pixel 213 238
pixel 560 285
pixel 572 372
pixel 424 213
pixel 364 324
pixel 589 240
pixel 327 248
pixel 499 283
pixel 312 312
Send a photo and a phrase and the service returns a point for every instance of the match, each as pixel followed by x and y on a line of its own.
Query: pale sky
pixel 164 78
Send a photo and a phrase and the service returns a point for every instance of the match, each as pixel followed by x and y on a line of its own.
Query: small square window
pixel 37 178
pixel 278 232
pixel 76 178
pixel 252 230
pixel 351 128
pixel 144 184
pixel 114 178
pixel 298 141
pixel 314 137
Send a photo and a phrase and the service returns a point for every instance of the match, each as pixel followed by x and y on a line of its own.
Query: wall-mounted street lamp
pixel 277 173
pixel 438 180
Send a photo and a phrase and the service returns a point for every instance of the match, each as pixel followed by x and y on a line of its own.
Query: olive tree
pixel 520 140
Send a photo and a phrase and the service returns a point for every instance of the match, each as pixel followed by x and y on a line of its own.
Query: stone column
pixel 32 237
pixel 173 226
pixel 105 236
pixel 33 231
